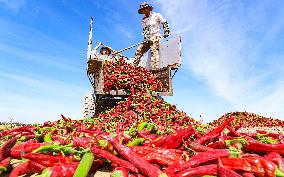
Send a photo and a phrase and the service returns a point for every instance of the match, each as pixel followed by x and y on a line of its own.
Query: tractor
pixel 100 100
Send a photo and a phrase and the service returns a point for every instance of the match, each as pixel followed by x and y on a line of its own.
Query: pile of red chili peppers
pixel 80 147
pixel 247 119
pixel 143 136
pixel 121 75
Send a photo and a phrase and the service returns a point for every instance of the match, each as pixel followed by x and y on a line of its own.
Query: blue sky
pixel 232 54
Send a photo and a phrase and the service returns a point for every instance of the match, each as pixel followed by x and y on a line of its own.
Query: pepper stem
pixel 278 173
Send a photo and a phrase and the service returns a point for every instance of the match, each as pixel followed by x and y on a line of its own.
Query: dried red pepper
pixel 4 164
pixel 199 171
pixel 143 166
pixel 114 159
pixel 5 150
pixel 198 159
pixel 176 139
pixel 214 133
pixel 159 155
pixel 225 172
pixel 48 160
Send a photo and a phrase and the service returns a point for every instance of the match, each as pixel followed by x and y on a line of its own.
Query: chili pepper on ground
pixel 145 167
pixel 35 167
pixel 120 172
pixel 85 142
pixel 60 170
pixel 157 142
pixel 248 174
pixel 259 166
pixel 114 159
pixel 276 158
pixel 159 155
pixel 24 147
pixel 5 150
pixel 264 148
pixel 198 171
pixel 175 140
pixel 21 169
pixel 200 158
pixel 217 145
pixel 233 132
pixel 4 164
pixel 214 133
pixel 199 147
pixel 96 164
pixel 48 160
pixel 269 167
pixel 225 172
pixel 84 165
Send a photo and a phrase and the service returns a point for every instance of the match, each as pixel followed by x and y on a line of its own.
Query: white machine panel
pixel 89 105
pixel 170 53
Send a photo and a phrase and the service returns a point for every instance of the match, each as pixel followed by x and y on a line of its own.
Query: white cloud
pixel 31 98
pixel 220 48
pixel 13 5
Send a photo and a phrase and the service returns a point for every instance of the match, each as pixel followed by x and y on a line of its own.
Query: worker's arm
pixel 166 29
pixel 96 53
pixel 165 25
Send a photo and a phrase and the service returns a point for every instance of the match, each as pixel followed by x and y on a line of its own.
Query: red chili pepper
pixel 62 170
pixel 199 147
pixel 175 140
pixel 276 158
pixel 217 145
pixel 199 171
pixel 48 160
pixel 252 165
pixel 4 164
pixel 36 167
pixel 225 172
pixel 114 159
pixel 25 147
pixel 159 155
pixel 145 167
pixel 157 142
pixel 214 133
pixel 5 150
pixel 21 169
pixel 84 142
pixel 255 146
pixel 247 174
pixel 198 159
pixel 23 129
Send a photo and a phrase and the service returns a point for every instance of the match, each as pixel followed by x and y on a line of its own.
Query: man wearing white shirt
pixel 151 23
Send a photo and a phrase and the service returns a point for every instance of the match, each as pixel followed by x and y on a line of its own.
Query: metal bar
pixel 89 49
pixel 131 46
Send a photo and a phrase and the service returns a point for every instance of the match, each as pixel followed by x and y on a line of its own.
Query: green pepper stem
pixel 278 173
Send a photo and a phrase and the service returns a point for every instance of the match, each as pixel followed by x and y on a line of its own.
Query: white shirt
pixel 153 22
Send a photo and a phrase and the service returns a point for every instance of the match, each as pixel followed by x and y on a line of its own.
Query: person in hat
pixel 151 23
pixel 105 52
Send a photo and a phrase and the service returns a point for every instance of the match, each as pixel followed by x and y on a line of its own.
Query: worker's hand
pixel 166 34
pixel 100 43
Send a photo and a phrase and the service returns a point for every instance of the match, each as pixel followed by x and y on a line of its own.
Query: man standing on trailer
pixel 151 23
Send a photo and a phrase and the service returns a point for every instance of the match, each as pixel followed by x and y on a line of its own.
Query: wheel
pixel 89 106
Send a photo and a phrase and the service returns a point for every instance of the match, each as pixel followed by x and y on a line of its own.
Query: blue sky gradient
pixel 232 54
